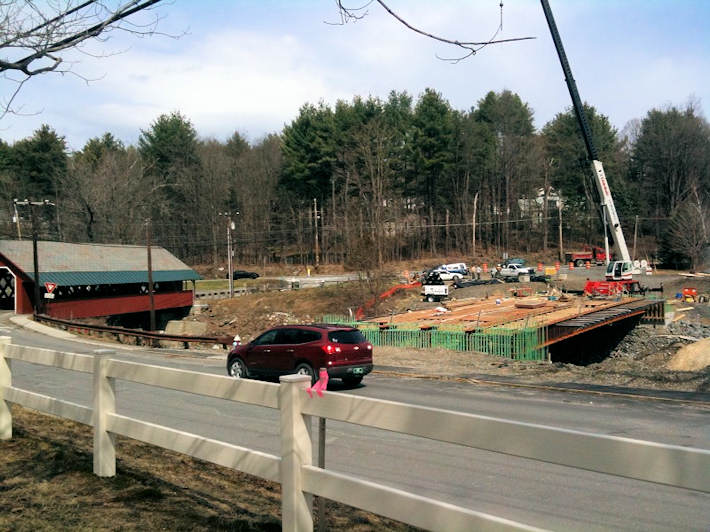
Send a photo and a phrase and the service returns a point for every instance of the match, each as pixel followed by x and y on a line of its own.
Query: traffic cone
pixel 588 265
pixel 571 265
pixel 539 266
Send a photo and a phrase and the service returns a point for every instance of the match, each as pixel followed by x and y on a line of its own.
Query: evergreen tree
pixel 509 169
pixel 431 145
pixel 236 145
pixel 172 164
pixel 309 153
pixel 572 174
pixel 95 148
pixel 37 164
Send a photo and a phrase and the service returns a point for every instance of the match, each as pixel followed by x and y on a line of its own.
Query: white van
pixel 456 267
pixel 451 272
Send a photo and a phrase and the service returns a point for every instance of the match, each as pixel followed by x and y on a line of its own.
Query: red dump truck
pixel 594 254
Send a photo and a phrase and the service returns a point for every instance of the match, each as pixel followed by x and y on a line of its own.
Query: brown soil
pixel 693 357
pixel 47 483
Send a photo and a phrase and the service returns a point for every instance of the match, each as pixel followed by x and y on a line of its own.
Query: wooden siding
pixel 110 306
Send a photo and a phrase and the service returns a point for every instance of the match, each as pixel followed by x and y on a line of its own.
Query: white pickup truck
pixel 514 270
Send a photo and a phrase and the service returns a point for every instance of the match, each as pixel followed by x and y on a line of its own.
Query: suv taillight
pixel 331 349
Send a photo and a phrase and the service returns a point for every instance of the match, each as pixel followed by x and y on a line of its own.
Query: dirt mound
pixel 692 357
pixel 250 314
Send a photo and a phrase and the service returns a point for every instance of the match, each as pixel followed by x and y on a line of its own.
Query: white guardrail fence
pixel 648 461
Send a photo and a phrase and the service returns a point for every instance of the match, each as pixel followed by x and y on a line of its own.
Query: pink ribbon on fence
pixel 320 385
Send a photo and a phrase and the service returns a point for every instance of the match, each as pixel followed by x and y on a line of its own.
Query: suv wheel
pixel 352 381
pixel 238 369
pixel 306 369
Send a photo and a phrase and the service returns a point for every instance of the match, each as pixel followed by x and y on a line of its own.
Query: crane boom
pixel 607 202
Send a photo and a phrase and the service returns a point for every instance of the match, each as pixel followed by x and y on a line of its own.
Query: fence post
pixel 321 464
pixel 104 403
pixel 5 380
pixel 296 450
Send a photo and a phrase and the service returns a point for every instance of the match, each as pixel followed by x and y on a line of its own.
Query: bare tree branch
pixel 348 14
pixel 35 36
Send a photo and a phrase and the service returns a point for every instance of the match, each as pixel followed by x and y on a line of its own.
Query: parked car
pixel 456 267
pixel 450 272
pixel 243 274
pixel 514 260
pixel 514 270
pixel 304 349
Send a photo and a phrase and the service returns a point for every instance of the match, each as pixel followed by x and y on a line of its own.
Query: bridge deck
pixel 562 330
pixel 476 314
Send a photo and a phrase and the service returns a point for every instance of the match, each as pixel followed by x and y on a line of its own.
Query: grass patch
pixel 205 285
pixel 47 483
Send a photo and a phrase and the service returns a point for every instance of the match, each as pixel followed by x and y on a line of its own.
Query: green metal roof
pixel 91 264
pixel 94 278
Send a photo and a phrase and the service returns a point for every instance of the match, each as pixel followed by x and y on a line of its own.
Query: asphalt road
pixel 539 494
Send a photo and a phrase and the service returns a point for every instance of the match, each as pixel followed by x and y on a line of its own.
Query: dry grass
pixel 46 483
pixel 250 314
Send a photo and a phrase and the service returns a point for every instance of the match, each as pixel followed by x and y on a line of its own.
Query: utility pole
pixel 315 225
pixel 39 304
pixel 473 225
pixel 636 225
pixel 17 220
pixel 559 226
pixel 545 207
pixel 150 275
pixel 230 274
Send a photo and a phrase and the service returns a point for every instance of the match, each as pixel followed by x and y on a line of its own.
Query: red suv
pixel 304 349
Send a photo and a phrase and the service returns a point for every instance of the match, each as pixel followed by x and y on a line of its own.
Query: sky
pixel 249 65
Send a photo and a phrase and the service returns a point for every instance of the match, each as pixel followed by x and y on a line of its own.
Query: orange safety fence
pixel 360 312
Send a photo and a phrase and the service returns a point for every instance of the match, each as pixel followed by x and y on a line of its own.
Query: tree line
pixel 372 180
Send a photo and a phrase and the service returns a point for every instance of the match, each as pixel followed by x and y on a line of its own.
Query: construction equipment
pixel 360 312
pixel 690 294
pixel 595 255
pixel 620 270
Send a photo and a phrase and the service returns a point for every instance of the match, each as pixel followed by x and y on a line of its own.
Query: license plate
pixel 357 371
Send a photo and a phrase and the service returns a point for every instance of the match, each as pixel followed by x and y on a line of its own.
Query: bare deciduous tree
pixel 101 197
pixel 689 228
pixel 36 36
pixel 470 48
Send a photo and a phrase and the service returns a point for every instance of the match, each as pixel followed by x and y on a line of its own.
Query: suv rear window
pixel 308 336
pixel 347 337
pixel 288 336
pixel 297 336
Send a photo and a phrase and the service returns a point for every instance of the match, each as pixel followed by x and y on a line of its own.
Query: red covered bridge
pixel 91 279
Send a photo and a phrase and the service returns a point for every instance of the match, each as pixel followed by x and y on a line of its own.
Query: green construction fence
pixel 525 343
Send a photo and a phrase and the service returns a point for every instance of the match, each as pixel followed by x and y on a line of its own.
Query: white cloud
pixel 228 77
pixel 251 66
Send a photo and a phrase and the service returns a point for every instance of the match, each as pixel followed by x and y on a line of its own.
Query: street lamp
pixel 230 227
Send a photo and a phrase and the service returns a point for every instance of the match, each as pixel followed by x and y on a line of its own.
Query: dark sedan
pixel 243 274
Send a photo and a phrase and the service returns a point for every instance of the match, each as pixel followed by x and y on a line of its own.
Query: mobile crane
pixel 620 270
